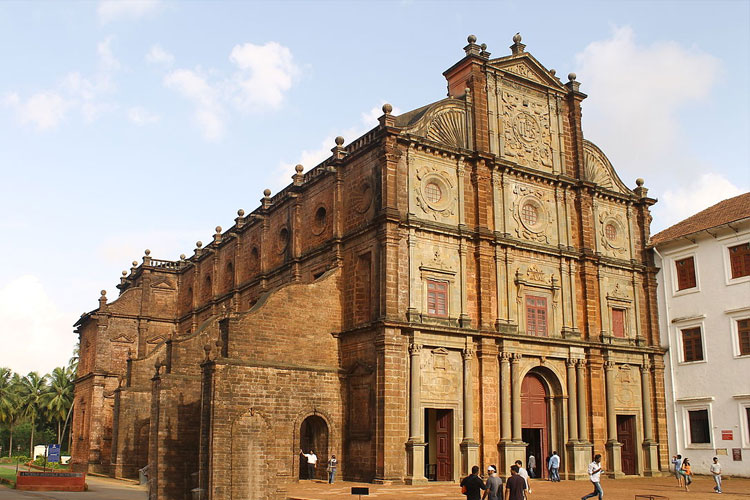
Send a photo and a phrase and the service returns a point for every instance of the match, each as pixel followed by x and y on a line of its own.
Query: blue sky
pixel 134 125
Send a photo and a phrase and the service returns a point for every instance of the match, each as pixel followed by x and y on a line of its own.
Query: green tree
pixel 58 397
pixel 9 399
pixel 33 388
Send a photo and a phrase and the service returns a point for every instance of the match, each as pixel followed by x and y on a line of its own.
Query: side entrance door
pixel 444 445
pixel 626 436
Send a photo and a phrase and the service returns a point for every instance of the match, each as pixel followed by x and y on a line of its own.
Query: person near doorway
pixel 494 485
pixel 303 465
pixel 524 474
pixel 312 460
pixel 332 464
pixel 595 470
pixel 474 484
pixel 687 473
pixel 716 472
pixel 554 467
pixel 515 486
pixel 677 463
pixel 531 466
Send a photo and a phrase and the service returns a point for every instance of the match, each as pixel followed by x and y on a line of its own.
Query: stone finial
pixel 147 252
pixel 339 140
pixel 553 72
pixel 134 263
pixel 517 48
pixel 572 83
pixel 266 192
pixel 472 49
pixel 640 191
pixel 104 293
pixel 338 150
pixel 241 212
pixel 207 350
pixel 299 168
pixel 484 52
pixel 298 178
pixel 572 77
pixel 387 119
pixel 218 229
pixel 471 39
pixel 157 367
pixel 265 202
pixel 387 109
pixel 124 273
pixel 639 182
pixel 198 244
pixel 182 256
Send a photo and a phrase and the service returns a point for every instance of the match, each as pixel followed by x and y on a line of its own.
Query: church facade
pixel 467 283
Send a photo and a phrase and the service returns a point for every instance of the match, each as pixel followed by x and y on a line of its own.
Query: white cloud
pixel 267 72
pixel 106 57
pixel 157 55
pixel 209 111
pixel 681 202
pixel 635 94
pixel 114 10
pixel 141 116
pixel 44 110
pixel 46 333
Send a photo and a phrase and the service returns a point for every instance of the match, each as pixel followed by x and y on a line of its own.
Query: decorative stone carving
pixel 598 169
pixel 362 197
pixel 535 274
pixel 619 292
pixel 441 375
pixel 524 71
pixel 530 211
pixel 435 192
pixel 626 386
pixel 527 138
pixel 443 122
pixel 612 232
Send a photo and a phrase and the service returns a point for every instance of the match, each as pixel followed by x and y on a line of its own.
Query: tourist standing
pixel 524 474
pixel 716 471
pixel 332 464
pixel 531 465
pixel 595 471
pixel 303 465
pixel 312 459
pixel 494 485
pixel 515 486
pixel 554 467
pixel 687 473
pixel 474 484
pixel 677 463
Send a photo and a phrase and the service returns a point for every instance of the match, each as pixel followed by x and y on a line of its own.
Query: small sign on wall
pixel 721 451
pixel 727 435
pixel 737 454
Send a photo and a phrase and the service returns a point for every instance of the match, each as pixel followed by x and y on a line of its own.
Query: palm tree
pixel 59 396
pixel 33 388
pixel 73 362
pixel 8 401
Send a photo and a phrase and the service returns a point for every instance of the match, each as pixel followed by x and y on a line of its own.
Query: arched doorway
pixel 535 421
pixel 313 435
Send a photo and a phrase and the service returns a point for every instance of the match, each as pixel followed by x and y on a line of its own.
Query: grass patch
pixel 9 474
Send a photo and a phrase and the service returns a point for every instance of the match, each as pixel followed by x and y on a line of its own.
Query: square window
pixel 692 345
pixel 743 336
pixel 618 322
pixel 536 316
pixel 739 258
pixel 699 429
pixel 685 273
pixel 437 298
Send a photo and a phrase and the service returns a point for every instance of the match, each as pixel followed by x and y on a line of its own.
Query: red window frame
pixel 685 273
pixel 618 322
pixel 739 259
pixel 692 344
pixel 743 335
pixel 536 316
pixel 437 298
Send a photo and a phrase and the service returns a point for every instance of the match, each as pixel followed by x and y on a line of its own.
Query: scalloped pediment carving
pixel 444 123
pixel 528 68
pixel 598 169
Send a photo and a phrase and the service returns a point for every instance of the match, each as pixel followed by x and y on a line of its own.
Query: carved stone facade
pixel 467 283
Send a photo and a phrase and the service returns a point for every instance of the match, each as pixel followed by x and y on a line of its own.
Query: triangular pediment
pixel 123 339
pixel 162 283
pixel 156 340
pixel 359 369
pixel 526 67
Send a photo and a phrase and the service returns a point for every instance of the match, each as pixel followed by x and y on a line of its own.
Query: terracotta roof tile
pixel 723 212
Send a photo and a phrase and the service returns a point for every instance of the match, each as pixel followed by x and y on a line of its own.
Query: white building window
pixel 739 326
pixel 743 408
pixel 737 260
pixel 691 340
pixel 685 272
pixel 697 424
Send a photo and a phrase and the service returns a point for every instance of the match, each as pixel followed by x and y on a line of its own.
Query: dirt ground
pixel 620 489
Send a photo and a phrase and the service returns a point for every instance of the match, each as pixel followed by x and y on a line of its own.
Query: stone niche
pixel 442 376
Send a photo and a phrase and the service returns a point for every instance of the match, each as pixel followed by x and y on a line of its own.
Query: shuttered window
pixel 618 322
pixel 685 273
pixel 536 316
pixel 739 256
pixel 437 298
pixel 743 333
pixel 699 431
pixel 692 347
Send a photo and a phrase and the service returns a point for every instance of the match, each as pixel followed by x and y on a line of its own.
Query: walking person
pixel 494 485
pixel 474 484
pixel 531 465
pixel 687 473
pixel 716 471
pixel 677 463
pixel 332 464
pixel 312 459
pixel 594 471
pixel 524 474
pixel 554 467
pixel 515 486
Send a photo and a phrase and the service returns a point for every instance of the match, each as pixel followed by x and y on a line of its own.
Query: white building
pixel 704 314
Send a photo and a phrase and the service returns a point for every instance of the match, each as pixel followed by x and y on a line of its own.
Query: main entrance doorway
pixel 439 439
pixel 535 421
pixel 626 436
pixel 313 436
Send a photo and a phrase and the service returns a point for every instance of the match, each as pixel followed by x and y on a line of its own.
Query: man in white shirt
pixel 594 471
pixel 554 467
pixel 312 459
pixel 524 474
pixel 716 471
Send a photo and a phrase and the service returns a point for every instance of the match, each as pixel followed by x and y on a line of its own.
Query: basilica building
pixel 467 283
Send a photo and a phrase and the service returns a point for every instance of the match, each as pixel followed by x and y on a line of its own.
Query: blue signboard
pixel 53 453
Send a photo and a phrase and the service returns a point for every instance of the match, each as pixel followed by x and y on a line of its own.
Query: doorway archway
pixel 313 435
pixel 535 421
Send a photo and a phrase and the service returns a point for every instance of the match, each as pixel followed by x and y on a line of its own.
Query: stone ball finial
pixel 135 263
pixel 299 168
pixel 471 39
pixel 639 182
pixel 157 364
pixel 147 252
pixel 339 141
pixel 218 229
pixel 104 293
pixel 266 192
pixel 182 256
pixel 467 90
pixel 483 46
pixel 387 108
pixel 572 77
pixel 517 38
pixel 198 243
pixel 241 212
pixel 124 273
pixel 552 71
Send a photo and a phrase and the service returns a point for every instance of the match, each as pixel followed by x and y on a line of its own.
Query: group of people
pixel 309 461
pixel 684 473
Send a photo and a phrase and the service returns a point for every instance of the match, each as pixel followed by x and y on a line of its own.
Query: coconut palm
pixel 8 401
pixel 33 387
pixel 59 396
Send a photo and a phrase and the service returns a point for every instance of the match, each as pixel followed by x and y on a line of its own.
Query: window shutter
pixel 739 257
pixel 743 332
pixel 685 273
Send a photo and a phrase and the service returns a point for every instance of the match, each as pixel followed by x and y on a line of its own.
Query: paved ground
pixel 621 489
pixel 100 488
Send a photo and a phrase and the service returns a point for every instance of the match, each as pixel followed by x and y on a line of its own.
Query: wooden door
pixel 626 436
pixel 535 420
pixel 444 445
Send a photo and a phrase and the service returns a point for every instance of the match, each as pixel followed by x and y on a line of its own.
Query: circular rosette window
pixel 614 233
pixel 436 192
pixel 320 220
pixel 532 214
